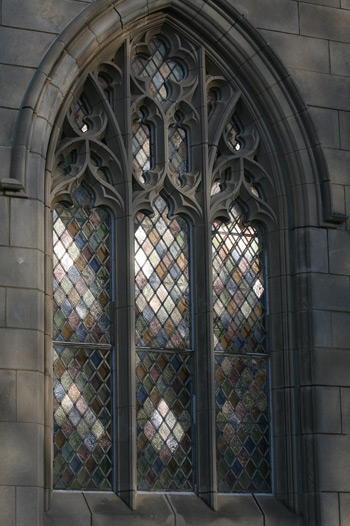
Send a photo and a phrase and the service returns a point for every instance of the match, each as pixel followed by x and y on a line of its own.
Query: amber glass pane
pixel 164 421
pixel 162 280
pixel 81 272
pixel 159 68
pixel 238 286
pixel 82 418
pixel 242 429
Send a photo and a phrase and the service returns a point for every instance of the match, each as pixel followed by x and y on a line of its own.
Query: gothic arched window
pixel 160 359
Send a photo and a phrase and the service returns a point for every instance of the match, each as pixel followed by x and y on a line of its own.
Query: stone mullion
pixel 124 321
pixel 203 326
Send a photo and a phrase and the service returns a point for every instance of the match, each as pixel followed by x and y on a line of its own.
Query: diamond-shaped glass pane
pixel 81 309
pixel 159 68
pixel 162 280
pixel 238 286
pixel 177 145
pixel 242 424
pixel 82 418
pixel 231 135
pixel 164 421
pixel 141 146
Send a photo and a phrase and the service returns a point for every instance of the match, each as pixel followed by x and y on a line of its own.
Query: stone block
pixel 340 329
pixel 311 250
pixel 333 462
pixel 25 309
pixel 68 509
pixel 321 328
pixel 275 514
pixel 338 164
pixel 30 397
pixel 345 409
pixel 5 160
pixel 327 126
pixel 321 89
pixel 49 16
pixel 29 506
pixel 4 220
pixel 27 223
pixel 151 509
pixel 21 454
pixel 8 505
pixel 21 349
pixel 299 52
pixel 329 292
pixel 331 367
pixel 344 499
pixel 283 14
pixel 338 198
pixel 8 120
pixel 321 410
pixel 340 58
pixel 35 184
pixel 324 22
pixel 344 125
pixel 21 267
pixel 7 395
pixel 345 4
pixel 329 508
pixel 28 55
pixel 14 81
pixel 339 251
pixel 2 306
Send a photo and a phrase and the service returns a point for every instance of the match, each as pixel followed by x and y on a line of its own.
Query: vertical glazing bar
pixel 203 331
pixel 125 319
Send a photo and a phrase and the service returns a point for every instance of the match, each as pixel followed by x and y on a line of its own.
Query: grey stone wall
pixel 312 40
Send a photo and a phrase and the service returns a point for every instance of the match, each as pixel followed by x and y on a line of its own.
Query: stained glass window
pixel 82 350
pixel 241 362
pixel 164 405
pixel 142 147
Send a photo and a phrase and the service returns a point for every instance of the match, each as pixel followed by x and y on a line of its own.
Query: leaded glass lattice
pixel 238 286
pixel 82 418
pixel 162 280
pixel 178 149
pixel 159 68
pixel 81 272
pixel 164 421
pixel 141 146
pixel 242 425
pixel 82 350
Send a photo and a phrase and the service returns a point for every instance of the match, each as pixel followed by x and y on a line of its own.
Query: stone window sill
pixel 106 509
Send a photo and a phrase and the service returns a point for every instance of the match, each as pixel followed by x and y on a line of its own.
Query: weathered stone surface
pixel 4 220
pixel 340 329
pixel 14 81
pixel 324 22
pixel 30 397
pixel 8 395
pixel 283 15
pixel 18 55
pixel 339 251
pixel 340 58
pixel 344 123
pixel 334 462
pixel 300 52
pixel 68 508
pixel 25 309
pixel 327 126
pixel 22 349
pixel 320 89
pixel 21 267
pixel 329 508
pixel 24 441
pixel 29 503
pixel 49 16
pixel 344 499
pixel 8 505
pixel 27 223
